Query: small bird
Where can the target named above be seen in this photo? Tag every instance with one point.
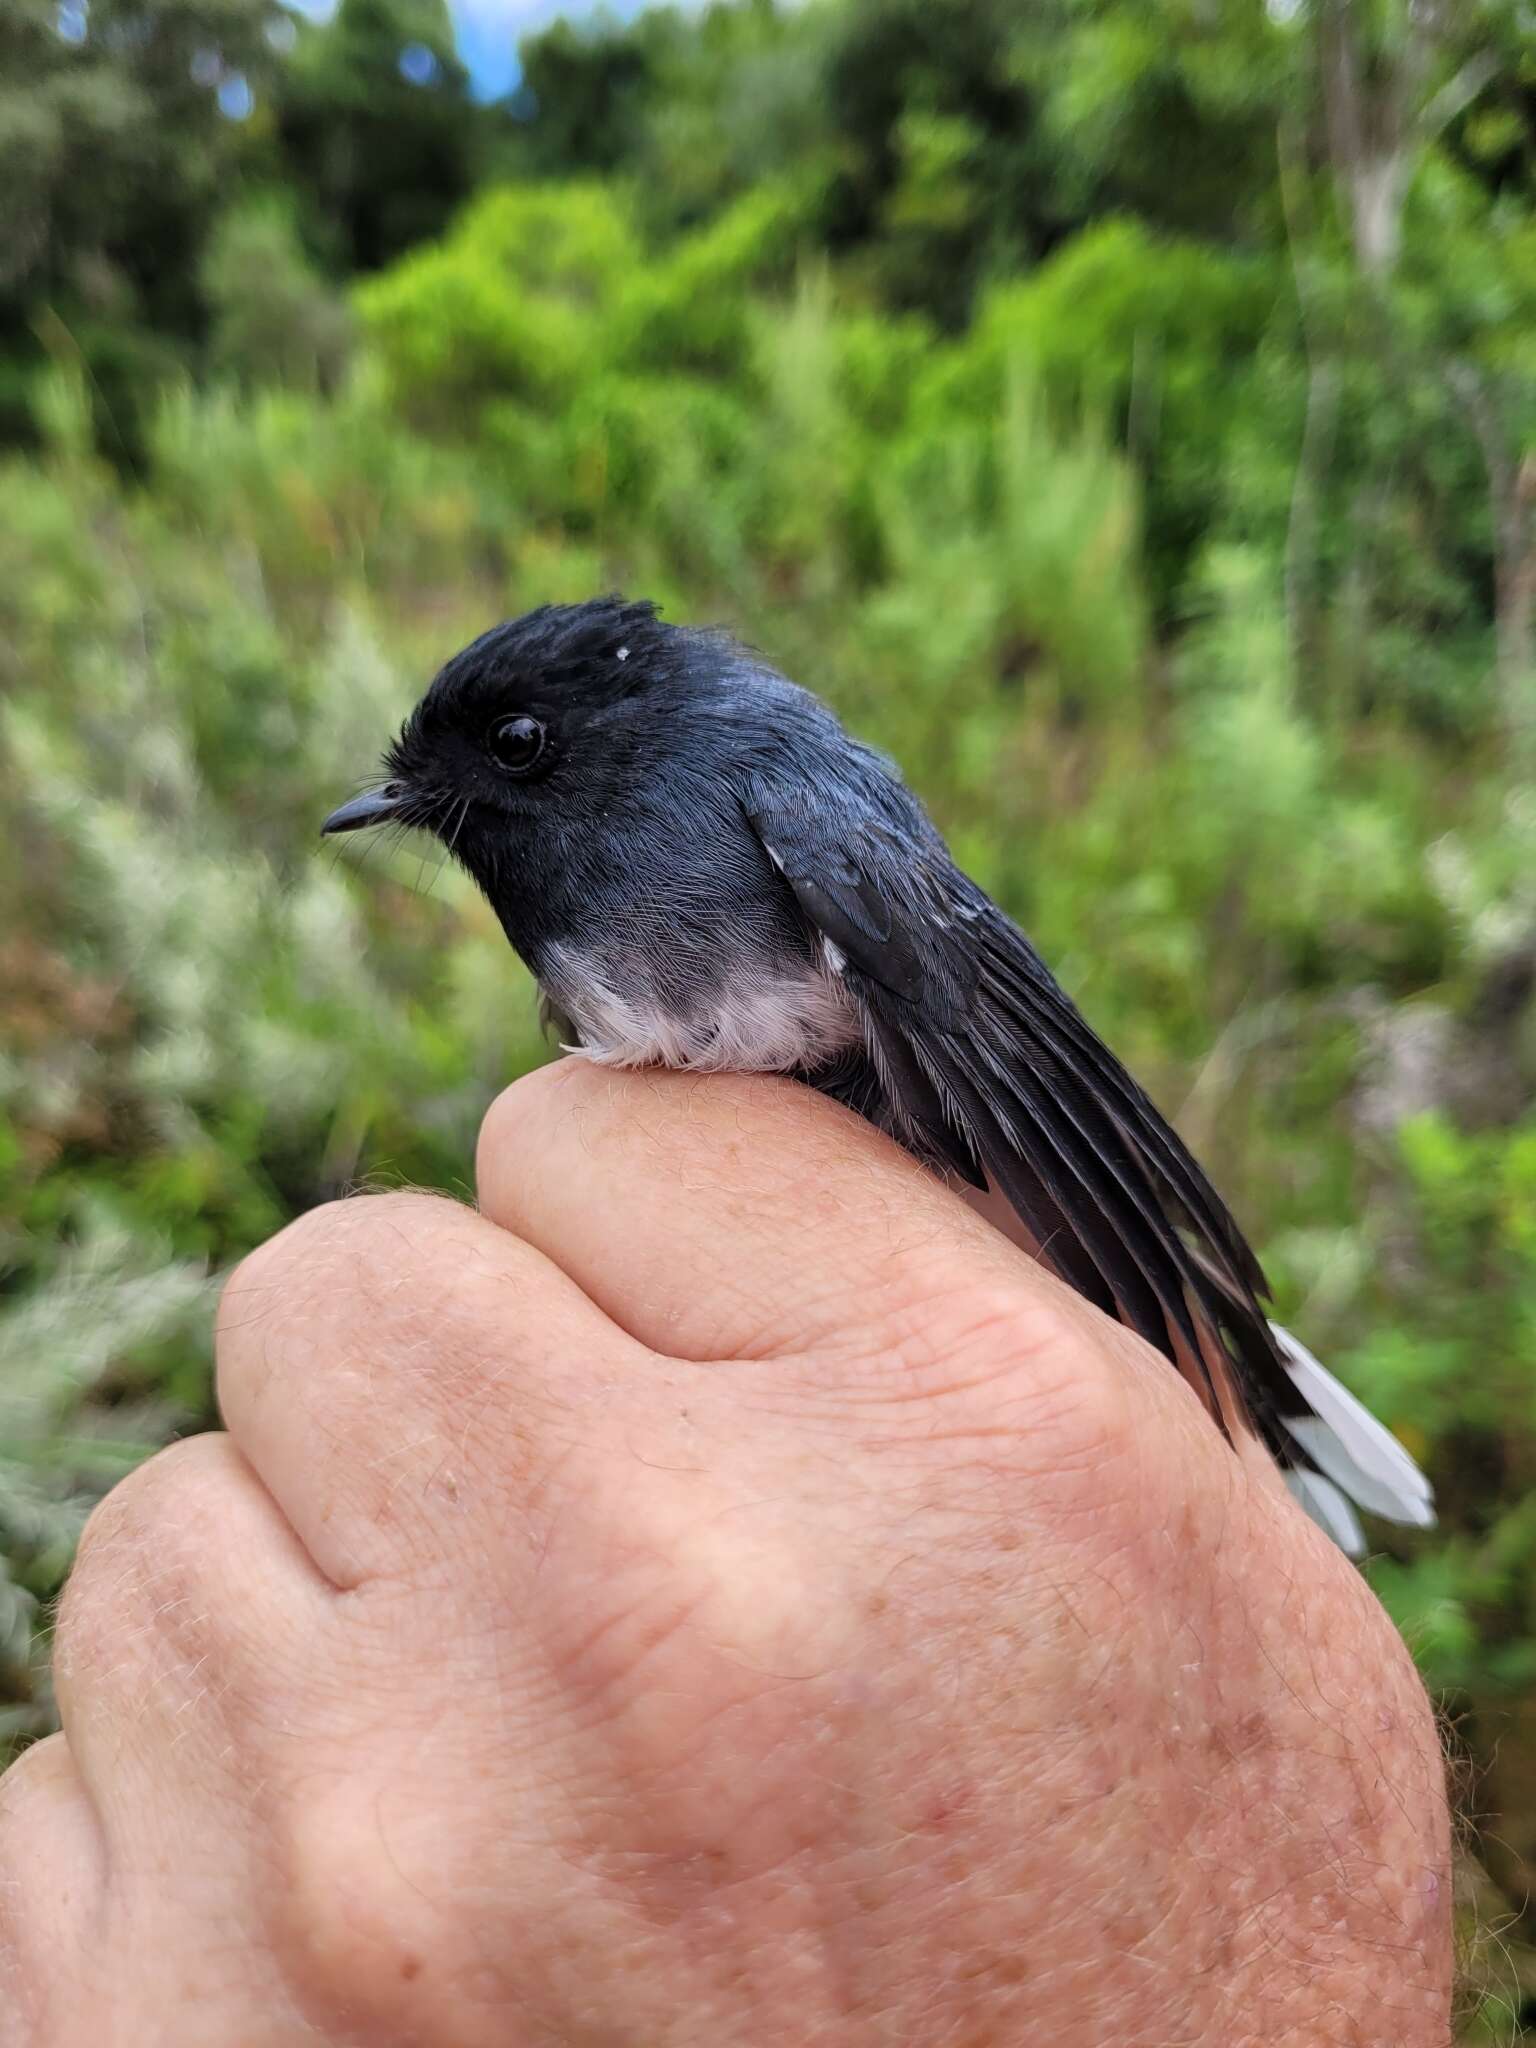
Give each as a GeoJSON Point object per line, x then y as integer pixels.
{"type": "Point", "coordinates": [703, 869]}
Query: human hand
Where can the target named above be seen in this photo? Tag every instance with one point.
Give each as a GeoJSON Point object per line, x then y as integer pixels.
{"type": "Point", "coordinates": [720, 1593]}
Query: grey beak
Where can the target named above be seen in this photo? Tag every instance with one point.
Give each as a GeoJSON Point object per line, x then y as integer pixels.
{"type": "Point", "coordinates": [373, 807]}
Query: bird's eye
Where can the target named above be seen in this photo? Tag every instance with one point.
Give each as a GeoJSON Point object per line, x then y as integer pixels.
{"type": "Point", "coordinates": [516, 745]}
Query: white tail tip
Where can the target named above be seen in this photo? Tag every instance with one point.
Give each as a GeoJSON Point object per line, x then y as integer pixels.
{"type": "Point", "coordinates": [1328, 1508]}
{"type": "Point", "coordinates": [1357, 1458]}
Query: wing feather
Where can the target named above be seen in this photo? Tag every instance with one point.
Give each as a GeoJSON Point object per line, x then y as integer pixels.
{"type": "Point", "coordinates": [1165, 1156]}
{"type": "Point", "coordinates": [987, 1076]}
{"type": "Point", "coordinates": [987, 1068]}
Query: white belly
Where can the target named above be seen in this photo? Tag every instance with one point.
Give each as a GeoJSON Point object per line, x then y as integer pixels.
{"type": "Point", "coordinates": [758, 1023]}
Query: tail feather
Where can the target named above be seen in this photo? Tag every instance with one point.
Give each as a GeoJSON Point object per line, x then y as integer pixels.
{"type": "Point", "coordinates": [1353, 1454]}
{"type": "Point", "coordinates": [1328, 1508]}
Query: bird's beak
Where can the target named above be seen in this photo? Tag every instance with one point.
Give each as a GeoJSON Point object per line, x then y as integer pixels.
{"type": "Point", "coordinates": [373, 807]}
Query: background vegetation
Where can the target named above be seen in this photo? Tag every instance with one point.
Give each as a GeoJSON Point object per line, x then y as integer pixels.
{"type": "Point", "coordinates": [1122, 409]}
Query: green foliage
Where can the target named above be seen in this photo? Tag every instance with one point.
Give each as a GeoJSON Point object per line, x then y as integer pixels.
{"type": "Point", "coordinates": [1154, 332]}
{"type": "Point", "coordinates": [273, 319]}
{"type": "Point", "coordinates": [541, 289]}
{"type": "Point", "coordinates": [378, 159]}
{"type": "Point", "coordinates": [942, 174]}
{"type": "Point", "coordinates": [516, 302]}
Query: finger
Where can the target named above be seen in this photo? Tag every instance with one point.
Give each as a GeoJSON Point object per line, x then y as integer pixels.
{"type": "Point", "coordinates": [192, 1607]}
{"type": "Point", "coordinates": [52, 1872]}
{"type": "Point", "coordinates": [395, 1364]}
{"type": "Point", "coordinates": [734, 1216]}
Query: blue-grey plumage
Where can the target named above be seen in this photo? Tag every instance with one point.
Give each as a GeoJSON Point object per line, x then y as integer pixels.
{"type": "Point", "coordinates": [703, 869]}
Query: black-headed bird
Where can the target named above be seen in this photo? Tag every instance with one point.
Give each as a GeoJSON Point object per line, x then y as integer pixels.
{"type": "Point", "coordinates": [703, 869]}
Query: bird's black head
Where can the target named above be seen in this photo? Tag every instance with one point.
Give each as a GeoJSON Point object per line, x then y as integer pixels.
{"type": "Point", "coordinates": [537, 747]}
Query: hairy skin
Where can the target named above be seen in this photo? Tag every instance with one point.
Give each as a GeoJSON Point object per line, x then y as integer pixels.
{"type": "Point", "coordinates": [719, 1593]}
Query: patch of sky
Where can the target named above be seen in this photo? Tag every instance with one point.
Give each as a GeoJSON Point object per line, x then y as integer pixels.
{"type": "Point", "coordinates": [236, 100]}
{"type": "Point", "coordinates": [418, 66]}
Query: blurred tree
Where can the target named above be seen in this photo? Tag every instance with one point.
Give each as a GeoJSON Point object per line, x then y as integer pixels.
{"type": "Point", "coordinates": [33, 57]}
{"type": "Point", "coordinates": [586, 92]}
{"type": "Point", "coordinates": [274, 319]}
{"type": "Point", "coordinates": [940, 141]}
{"type": "Point", "coordinates": [1165, 109]}
{"type": "Point", "coordinates": [738, 98]}
{"type": "Point", "coordinates": [1392, 80]}
{"type": "Point", "coordinates": [117, 123]}
{"type": "Point", "coordinates": [694, 108]}
{"type": "Point", "coordinates": [1416, 289]}
{"type": "Point", "coordinates": [120, 123]}
{"type": "Point", "coordinates": [378, 131]}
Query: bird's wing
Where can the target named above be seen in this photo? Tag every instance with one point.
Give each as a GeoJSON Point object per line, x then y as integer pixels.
{"type": "Point", "coordinates": [993, 1071]}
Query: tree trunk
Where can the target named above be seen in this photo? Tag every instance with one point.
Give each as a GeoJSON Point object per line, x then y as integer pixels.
{"type": "Point", "coordinates": [1512, 505]}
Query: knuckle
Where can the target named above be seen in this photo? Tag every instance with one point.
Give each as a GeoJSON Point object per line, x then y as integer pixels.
{"type": "Point", "coordinates": [949, 1337]}
{"type": "Point", "coordinates": [40, 1823]}
{"type": "Point", "coordinates": [28, 1779]}
{"type": "Point", "coordinates": [119, 1521]}
{"type": "Point", "coordinates": [325, 1921]}
{"type": "Point", "coordinates": [267, 1275]}
{"type": "Point", "coordinates": [139, 1556]}
{"type": "Point", "coordinates": [1016, 1371]}
{"type": "Point", "coordinates": [180, 1611]}
{"type": "Point", "coordinates": [360, 1933]}
{"type": "Point", "coordinates": [352, 1225]}
{"type": "Point", "coordinates": [536, 1101]}
{"type": "Point", "coordinates": [685, 1580]}
{"type": "Point", "coordinates": [299, 1240]}
{"type": "Point", "coordinates": [359, 1242]}
{"type": "Point", "coordinates": [1088, 1409]}
{"type": "Point", "coordinates": [376, 1243]}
